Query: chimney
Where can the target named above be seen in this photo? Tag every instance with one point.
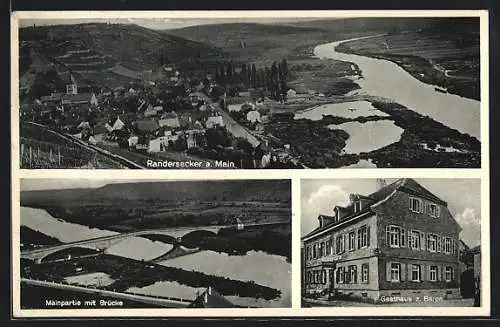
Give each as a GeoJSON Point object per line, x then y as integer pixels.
{"type": "Point", "coordinates": [381, 183]}
{"type": "Point", "coordinates": [205, 297]}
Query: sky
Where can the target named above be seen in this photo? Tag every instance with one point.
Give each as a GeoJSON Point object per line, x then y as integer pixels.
{"type": "Point", "coordinates": [160, 23]}
{"type": "Point", "coordinates": [462, 195]}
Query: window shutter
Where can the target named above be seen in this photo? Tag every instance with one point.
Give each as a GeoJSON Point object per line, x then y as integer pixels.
{"type": "Point", "coordinates": [367, 273]}
{"type": "Point", "coordinates": [344, 240]}
{"type": "Point", "coordinates": [423, 273]}
{"type": "Point", "coordinates": [402, 236]}
{"type": "Point", "coordinates": [422, 241]}
{"type": "Point", "coordinates": [438, 243]}
{"type": "Point", "coordinates": [439, 272]}
{"type": "Point", "coordinates": [453, 245]}
{"type": "Point", "coordinates": [402, 272]}
{"type": "Point", "coordinates": [408, 238]}
{"type": "Point", "coordinates": [421, 206]}
{"type": "Point", "coordinates": [409, 271]}
{"type": "Point", "coordinates": [388, 271]}
{"type": "Point", "coordinates": [368, 235]}
{"type": "Point", "coordinates": [387, 236]}
{"type": "Point", "coordinates": [428, 273]}
{"type": "Point", "coordinates": [355, 274]}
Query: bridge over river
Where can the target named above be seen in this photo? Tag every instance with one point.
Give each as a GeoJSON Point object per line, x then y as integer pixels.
{"type": "Point", "coordinates": [105, 242]}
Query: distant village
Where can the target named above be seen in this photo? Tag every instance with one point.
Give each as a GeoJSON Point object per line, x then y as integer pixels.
{"type": "Point", "coordinates": [163, 114]}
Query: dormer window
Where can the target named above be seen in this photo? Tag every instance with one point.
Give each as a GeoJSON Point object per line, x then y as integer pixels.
{"type": "Point", "coordinates": [416, 205]}
{"type": "Point", "coordinates": [433, 210]}
{"type": "Point", "coordinates": [357, 206]}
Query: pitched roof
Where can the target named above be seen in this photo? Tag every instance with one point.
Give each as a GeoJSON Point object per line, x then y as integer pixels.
{"type": "Point", "coordinates": [77, 97]}
{"type": "Point", "coordinates": [146, 125]}
{"type": "Point", "coordinates": [407, 185]}
{"type": "Point", "coordinates": [213, 300]}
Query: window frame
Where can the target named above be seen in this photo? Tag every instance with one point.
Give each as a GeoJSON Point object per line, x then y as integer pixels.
{"type": "Point", "coordinates": [353, 234]}
{"type": "Point", "coordinates": [418, 271]}
{"type": "Point", "coordinates": [435, 272]}
{"type": "Point", "coordinates": [436, 213]}
{"type": "Point", "coordinates": [419, 201]}
{"type": "Point", "coordinates": [447, 241]}
{"type": "Point", "coordinates": [415, 239]}
{"type": "Point", "coordinates": [446, 273]}
{"type": "Point", "coordinates": [399, 236]}
{"type": "Point", "coordinates": [398, 270]}
{"type": "Point", "coordinates": [340, 243]}
{"type": "Point", "coordinates": [430, 237]}
{"type": "Point", "coordinates": [362, 240]}
{"type": "Point", "coordinates": [353, 272]}
{"type": "Point", "coordinates": [357, 206]}
{"type": "Point", "coordinates": [365, 268]}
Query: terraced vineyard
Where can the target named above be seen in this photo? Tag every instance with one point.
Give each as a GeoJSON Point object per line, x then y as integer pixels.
{"type": "Point", "coordinates": [41, 148]}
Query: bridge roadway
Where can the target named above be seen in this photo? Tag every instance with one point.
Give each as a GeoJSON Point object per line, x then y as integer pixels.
{"type": "Point", "coordinates": [165, 301]}
{"type": "Point", "coordinates": [105, 242]}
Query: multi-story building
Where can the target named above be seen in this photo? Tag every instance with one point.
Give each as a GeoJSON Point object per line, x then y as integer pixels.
{"type": "Point", "coordinates": [398, 241]}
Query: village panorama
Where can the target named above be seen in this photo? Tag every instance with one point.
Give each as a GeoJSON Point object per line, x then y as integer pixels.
{"type": "Point", "coordinates": [331, 93]}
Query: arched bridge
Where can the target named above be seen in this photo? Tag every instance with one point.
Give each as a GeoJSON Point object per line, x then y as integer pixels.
{"type": "Point", "coordinates": [105, 242]}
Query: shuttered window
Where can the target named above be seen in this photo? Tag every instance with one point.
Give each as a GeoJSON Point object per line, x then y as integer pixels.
{"type": "Point", "coordinates": [395, 236]}
{"type": "Point", "coordinates": [433, 273]}
{"type": "Point", "coordinates": [393, 271]}
{"type": "Point", "coordinates": [365, 272]}
{"type": "Point", "coordinates": [448, 274]}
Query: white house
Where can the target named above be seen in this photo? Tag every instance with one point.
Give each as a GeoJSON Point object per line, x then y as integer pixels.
{"type": "Point", "coordinates": [108, 127]}
{"type": "Point", "coordinates": [133, 140]}
{"type": "Point", "coordinates": [158, 145]}
{"type": "Point", "coordinates": [234, 107]}
{"type": "Point", "coordinates": [118, 125]}
{"type": "Point", "coordinates": [84, 125]}
{"type": "Point", "coordinates": [239, 224]}
{"type": "Point", "coordinates": [291, 93]}
{"type": "Point", "coordinates": [213, 121]}
{"type": "Point", "coordinates": [253, 116]}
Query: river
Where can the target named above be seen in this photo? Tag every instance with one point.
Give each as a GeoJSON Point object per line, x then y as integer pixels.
{"type": "Point", "coordinates": [386, 79]}
{"type": "Point", "coordinates": [265, 269]}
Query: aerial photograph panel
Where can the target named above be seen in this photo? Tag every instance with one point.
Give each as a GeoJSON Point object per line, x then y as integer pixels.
{"type": "Point", "coordinates": [95, 244]}
{"type": "Point", "coordinates": [221, 93]}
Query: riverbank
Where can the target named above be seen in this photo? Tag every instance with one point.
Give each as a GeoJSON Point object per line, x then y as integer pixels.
{"type": "Point", "coordinates": [431, 58]}
{"type": "Point", "coordinates": [31, 239]}
{"type": "Point", "coordinates": [425, 142]}
{"type": "Point", "coordinates": [128, 273]}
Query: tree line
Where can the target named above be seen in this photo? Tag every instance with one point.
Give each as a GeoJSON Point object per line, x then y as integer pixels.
{"type": "Point", "coordinates": [272, 79]}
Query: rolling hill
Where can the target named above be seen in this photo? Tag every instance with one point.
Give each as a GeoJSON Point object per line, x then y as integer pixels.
{"type": "Point", "coordinates": [98, 52]}
{"type": "Point", "coordinates": [131, 206]}
{"type": "Point", "coordinates": [247, 190]}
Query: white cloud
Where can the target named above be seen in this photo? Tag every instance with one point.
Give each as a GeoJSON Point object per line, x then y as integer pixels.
{"type": "Point", "coordinates": [322, 201]}
{"type": "Point", "coordinates": [470, 222]}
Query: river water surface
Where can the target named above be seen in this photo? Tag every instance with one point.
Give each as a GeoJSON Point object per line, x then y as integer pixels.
{"type": "Point", "coordinates": [262, 268]}
{"type": "Point", "coordinates": [386, 79]}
